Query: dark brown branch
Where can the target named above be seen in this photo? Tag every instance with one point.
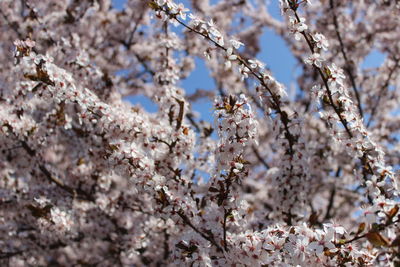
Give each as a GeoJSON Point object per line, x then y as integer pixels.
{"type": "Point", "coordinates": [328, 214]}
{"type": "Point", "coordinates": [347, 61]}
{"type": "Point", "coordinates": [226, 214]}
{"type": "Point", "coordinates": [207, 237]}
{"type": "Point", "coordinates": [144, 64]}
{"type": "Point", "coordinates": [357, 237]}
{"type": "Point", "coordinates": [259, 157]}
{"type": "Point", "coordinates": [180, 114]}
{"type": "Point", "coordinates": [384, 86]}
{"type": "Point", "coordinates": [189, 116]}
{"type": "Point", "coordinates": [132, 34]}
{"type": "Point", "coordinates": [7, 255]}
{"type": "Point", "coordinates": [74, 192]}
{"type": "Point", "coordinates": [332, 197]}
{"type": "Point", "coordinates": [12, 25]}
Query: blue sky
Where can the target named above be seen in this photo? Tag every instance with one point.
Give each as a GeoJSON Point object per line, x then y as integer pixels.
{"type": "Point", "coordinates": [274, 53]}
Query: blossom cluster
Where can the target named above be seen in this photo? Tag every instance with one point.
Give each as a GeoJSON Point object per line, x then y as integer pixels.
{"type": "Point", "coordinates": [283, 176]}
{"type": "Point", "coordinates": [344, 118]}
{"type": "Point", "coordinates": [236, 128]}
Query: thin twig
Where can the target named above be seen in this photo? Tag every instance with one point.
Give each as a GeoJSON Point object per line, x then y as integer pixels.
{"type": "Point", "coordinates": [384, 86]}
{"type": "Point", "coordinates": [259, 157]}
{"type": "Point", "coordinates": [207, 237]}
{"type": "Point", "coordinates": [52, 178]}
{"type": "Point", "coordinates": [226, 214]}
{"type": "Point", "coordinates": [332, 197]}
{"type": "Point", "coordinates": [347, 67]}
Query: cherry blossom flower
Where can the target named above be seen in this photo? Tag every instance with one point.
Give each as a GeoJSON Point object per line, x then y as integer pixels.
{"type": "Point", "coordinates": [321, 41]}
{"type": "Point", "coordinates": [324, 242]}
{"type": "Point", "coordinates": [254, 63]}
{"type": "Point", "coordinates": [181, 10]}
{"type": "Point", "coordinates": [336, 76]}
{"type": "Point", "coordinates": [235, 43]}
{"type": "Point", "coordinates": [314, 59]}
{"type": "Point", "coordinates": [230, 57]}
{"type": "Point", "coordinates": [297, 27]}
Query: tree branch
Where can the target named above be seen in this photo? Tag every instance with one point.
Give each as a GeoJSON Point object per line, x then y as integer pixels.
{"type": "Point", "coordinates": [348, 66]}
